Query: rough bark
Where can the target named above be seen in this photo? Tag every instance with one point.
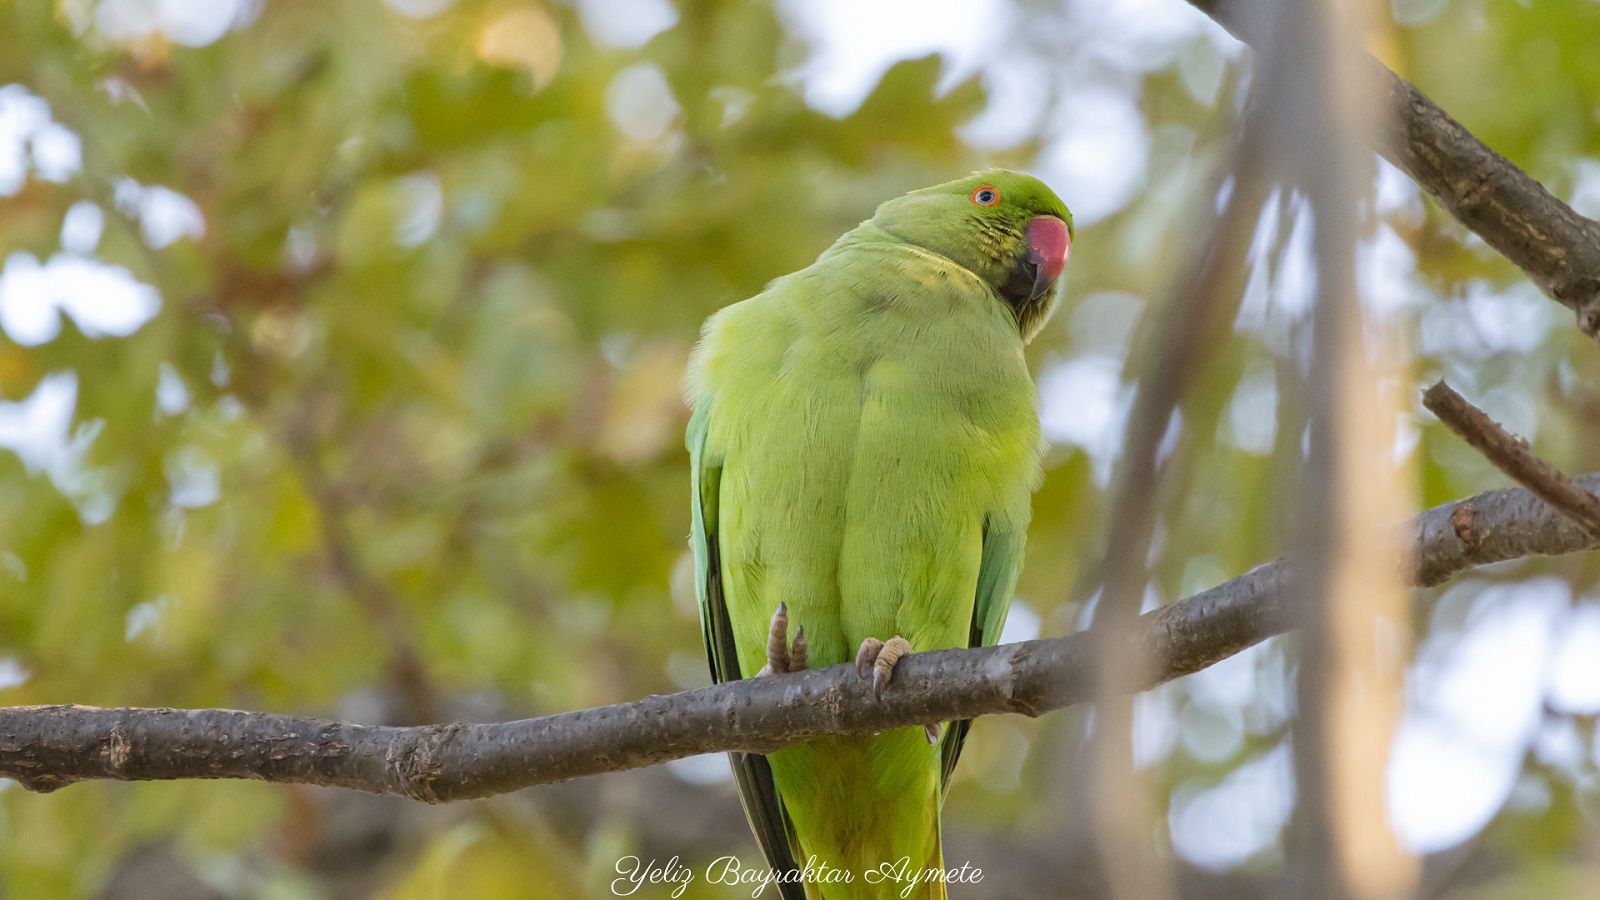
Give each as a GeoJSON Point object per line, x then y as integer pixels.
{"type": "Point", "coordinates": [48, 747]}
{"type": "Point", "coordinates": [1513, 456]}
{"type": "Point", "coordinates": [1558, 249]}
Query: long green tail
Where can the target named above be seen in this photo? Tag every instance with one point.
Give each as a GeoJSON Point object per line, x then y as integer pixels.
{"type": "Point", "coordinates": [867, 807]}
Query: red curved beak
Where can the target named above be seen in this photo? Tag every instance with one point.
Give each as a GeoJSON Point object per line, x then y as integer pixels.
{"type": "Point", "coordinates": [1049, 244]}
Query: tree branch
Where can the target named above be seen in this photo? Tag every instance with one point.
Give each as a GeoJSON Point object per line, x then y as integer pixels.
{"type": "Point", "coordinates": [1513, 456]}
{"type": "Point", "coordinates": [48, 747]}
{"type": "Point", "coordinates": [1558, 249]}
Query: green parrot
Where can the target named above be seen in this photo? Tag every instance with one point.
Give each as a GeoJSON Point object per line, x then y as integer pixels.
{"type": "Point", "coordinates": [864, 447]}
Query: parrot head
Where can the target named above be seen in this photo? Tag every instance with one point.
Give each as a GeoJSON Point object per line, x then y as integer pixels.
{"type": "Point", "coordinates": [1007, 228]}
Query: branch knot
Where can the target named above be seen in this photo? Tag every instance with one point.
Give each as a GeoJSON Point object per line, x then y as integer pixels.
{"type": "Point", "coordinates": [418, 761]}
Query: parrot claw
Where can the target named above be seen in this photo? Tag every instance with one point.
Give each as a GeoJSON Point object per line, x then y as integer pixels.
{"type": "Point", "coordinates": [780, 658]}
{"type": "Point", "coordinates": [932, 732]}
{"type": "Point", "coordinates": [880, 657]}
{"type": "Point", "coordinates": [866, 655]}
{"type": "Point", "coordinates": [797, 651]}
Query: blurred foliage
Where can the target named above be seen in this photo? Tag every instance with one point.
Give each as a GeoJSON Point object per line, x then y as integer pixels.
{"type": "Point", "coordinates": [411, 397]}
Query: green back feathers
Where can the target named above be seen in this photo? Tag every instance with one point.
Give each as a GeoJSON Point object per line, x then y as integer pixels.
{"type": "Point", "coordinates": [864, 446]}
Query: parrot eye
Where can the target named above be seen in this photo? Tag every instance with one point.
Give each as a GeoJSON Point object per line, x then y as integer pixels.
{"type": "Point", "coordinates": [988, 195]}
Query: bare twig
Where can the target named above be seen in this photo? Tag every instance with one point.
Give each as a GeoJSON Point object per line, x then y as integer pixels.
{"type": "Point", "coordinates": [1512, 456]}
{"type": "Point", "coordinates": [1558, 249]}
{"type": "Point", "coordinates": [49, 747]}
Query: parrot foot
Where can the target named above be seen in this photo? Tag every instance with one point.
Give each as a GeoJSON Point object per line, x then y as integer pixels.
{"type": "Point", "coordinates": [781, 656]}
{"type": "Point", "coordinates": [880, 657]}
{"type": "Point", "coordinates": [932, 732]}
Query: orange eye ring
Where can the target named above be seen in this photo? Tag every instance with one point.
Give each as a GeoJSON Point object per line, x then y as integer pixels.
{"type": "Point", "coordinates": [986, 195]}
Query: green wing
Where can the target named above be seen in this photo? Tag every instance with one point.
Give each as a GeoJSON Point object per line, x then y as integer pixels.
{"type": "Point", "coordinates": [751, 772]}
{"type": "Point", "coordinates": [997, 578]}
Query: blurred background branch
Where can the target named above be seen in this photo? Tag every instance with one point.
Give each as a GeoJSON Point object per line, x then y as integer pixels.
{"type": "Point", "coordinates": [1187, 332]}
{"type": "Point", "coordinates": [1354, 635]}
{"type": "Point", "coordinates": [419, 702]}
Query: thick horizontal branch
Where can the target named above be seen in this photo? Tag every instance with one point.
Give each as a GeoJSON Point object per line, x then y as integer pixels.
{"type": "Point", "coordinates": [48, 747]}
{"type": "Point", "coordinates": [1557, 248]}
